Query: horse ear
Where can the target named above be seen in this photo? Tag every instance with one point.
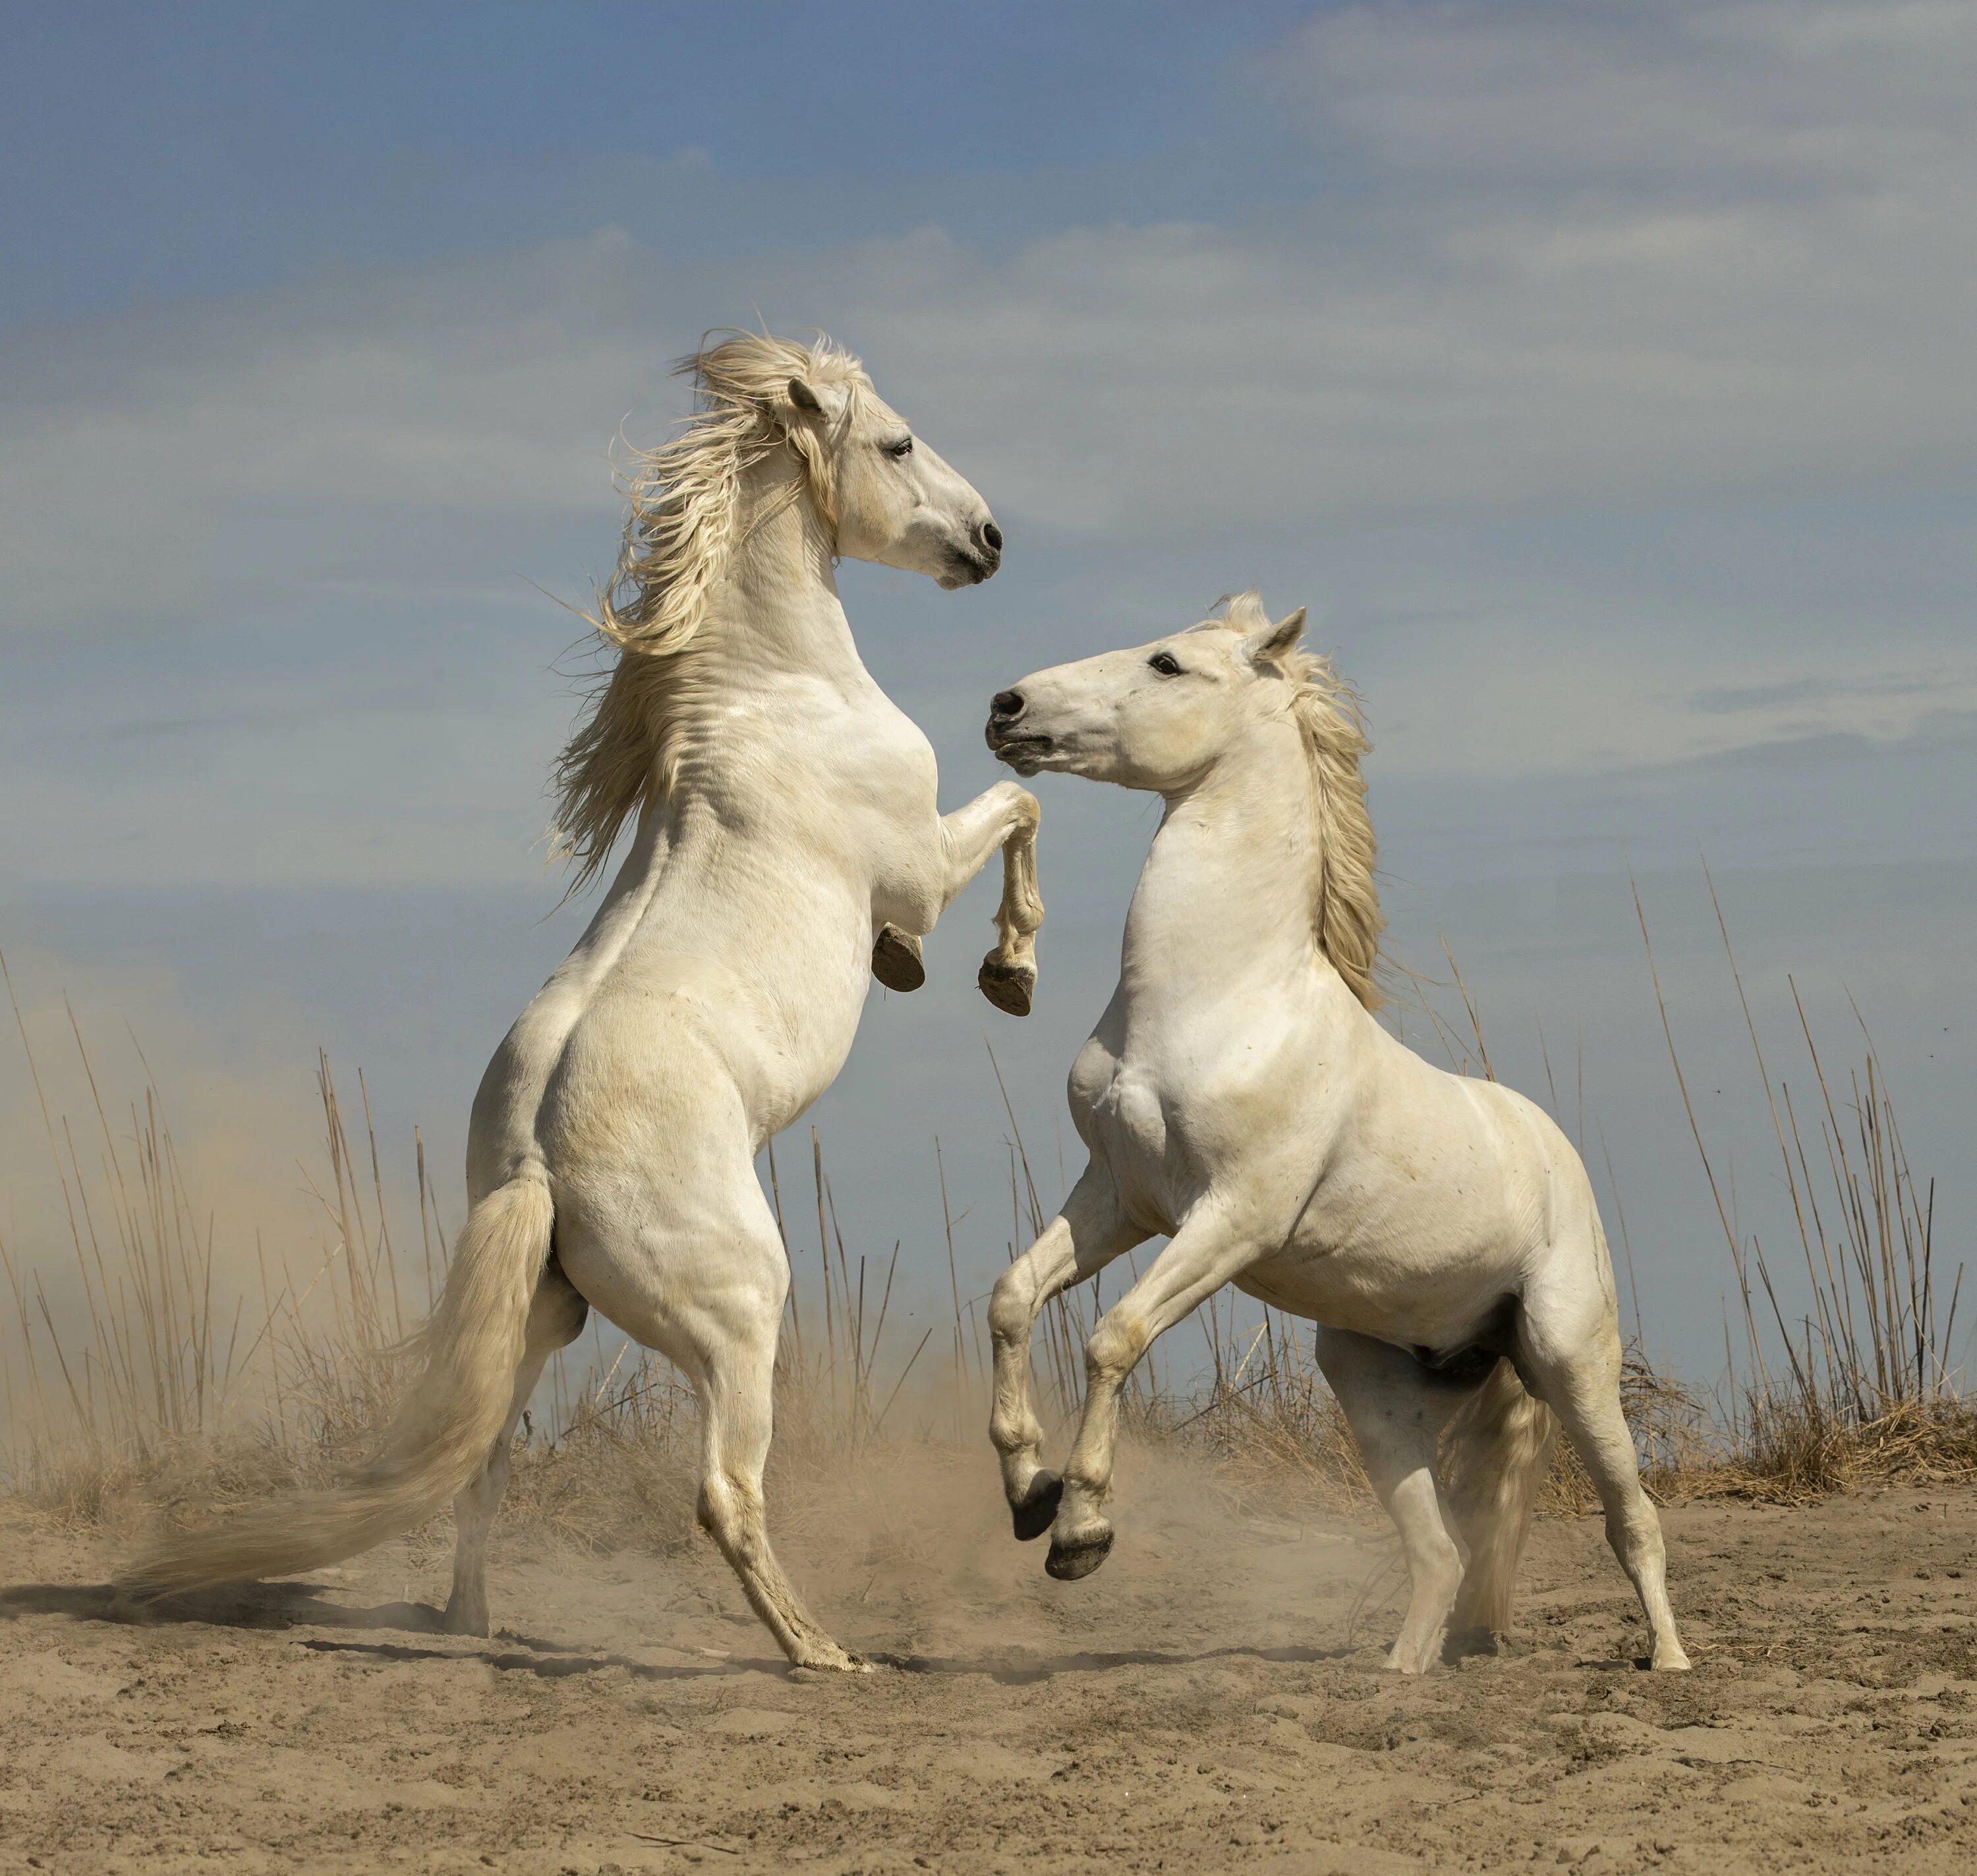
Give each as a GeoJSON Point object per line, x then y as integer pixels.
{"type": "Point", "coordinates": [821, 401]}
{"type": "Point", "coordinates": [1276, 642]}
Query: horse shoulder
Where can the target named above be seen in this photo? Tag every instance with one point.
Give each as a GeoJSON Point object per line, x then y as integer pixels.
{"type": "Point", "coordinates": [881, 738]}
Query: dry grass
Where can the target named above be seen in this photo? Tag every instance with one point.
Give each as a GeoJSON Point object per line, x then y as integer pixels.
{"type": "Point", "coordinates": [158, 1390]}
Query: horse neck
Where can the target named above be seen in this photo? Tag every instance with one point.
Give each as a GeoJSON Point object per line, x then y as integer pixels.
{"type": "Point", "coordinates": [1226, 893]}
{"type": "Point", "coordinates": [772, 622]}
{"type": "Point", "coordinates": [775, 611]}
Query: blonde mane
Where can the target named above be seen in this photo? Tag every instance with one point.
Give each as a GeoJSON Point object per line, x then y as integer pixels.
{"type": "Point", "coordinates": [680, 536]}
{"type": "Point", "coordinates": [1346, 910]}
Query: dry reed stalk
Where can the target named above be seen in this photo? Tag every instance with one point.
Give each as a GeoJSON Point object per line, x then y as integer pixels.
{"type": "Point", "coordinates": [1872, 1392]}
{"type": "Point", "coordinates": [163, 1385]}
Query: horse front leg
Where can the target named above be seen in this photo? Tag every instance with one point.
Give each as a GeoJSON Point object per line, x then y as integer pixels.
{"type": "Point", "coordinates": [1080, 1242]}
{"type": "Point", "coordinates": [1206, 1253]}
{"type": "Point", "coordinates": [1005, 816]}
{"type": "Point", "coordinates": [1008, 974]}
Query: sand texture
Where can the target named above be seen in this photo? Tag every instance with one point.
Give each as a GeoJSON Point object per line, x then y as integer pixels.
{"type": "Point", "coordinates": [1213, 1699]}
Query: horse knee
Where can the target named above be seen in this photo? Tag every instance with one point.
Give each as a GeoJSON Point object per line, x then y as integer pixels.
{"type": "Point", "coordinates": [1118, 1342]}
{"type": "Point", "coordinates": [1632, 1526]}
{"type": "Point", "coordinates": [1437, 1562]}
{"type": "Point", "coordinates": [1012, 1430]}
{"type": "Point", "coordinates": [1011, 1305]}
{"type": "Point", "coordinates": [729, 1512]}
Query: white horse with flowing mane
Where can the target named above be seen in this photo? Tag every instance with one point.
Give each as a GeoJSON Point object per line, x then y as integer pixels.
{"type": "Point", "coordinates": [1238, 1095]}
{"type": "Point", "coordinates": [788, 845]}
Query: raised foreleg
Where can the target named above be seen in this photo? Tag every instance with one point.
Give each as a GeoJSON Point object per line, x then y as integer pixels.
{"type": "Point", "coordinates": [1208, 1250]}
{"type": "Point", "coordinates": [1080, 1242]}
{"type": "Point", "coordinates": [1005, 816]}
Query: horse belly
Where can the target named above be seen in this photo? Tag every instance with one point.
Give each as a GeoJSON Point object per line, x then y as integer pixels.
{"type": "Point", "coordinates": [1423, 1270]}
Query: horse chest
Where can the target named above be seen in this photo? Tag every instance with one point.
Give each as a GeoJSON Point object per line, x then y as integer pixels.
{"type": "Point", "coordinates": [1119, 1114]}
{"type": "Point", "coordinates": [884, 782]}
{"type": "Point", "coordinates": [880, 746]}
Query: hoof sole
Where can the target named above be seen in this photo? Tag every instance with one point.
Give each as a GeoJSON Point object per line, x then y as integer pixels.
{"type": "Point", "coordinates": [1037, 1513]}
{"type": "Point", "coordinates": [1009, 986]}
{"type": "Point", "coordinates": [896, 961]}
{"type": "Point", "coordinates": [1067, 1562]}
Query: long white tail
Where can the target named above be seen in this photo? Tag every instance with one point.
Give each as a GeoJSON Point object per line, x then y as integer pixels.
{"type": "Point", "coordinates": [1497, 1446]}
{"type": "Point", "coordinates": [443, 1435]}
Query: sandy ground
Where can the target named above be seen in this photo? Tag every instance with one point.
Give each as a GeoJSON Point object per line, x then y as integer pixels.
{"type": "Point", "coordinates": [1212, 1700]}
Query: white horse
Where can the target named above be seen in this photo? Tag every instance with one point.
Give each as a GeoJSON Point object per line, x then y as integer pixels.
{"type": "Point", "coordinates": [1238, 1094]}
{"type": "Point", "coordinates": [787, 845]}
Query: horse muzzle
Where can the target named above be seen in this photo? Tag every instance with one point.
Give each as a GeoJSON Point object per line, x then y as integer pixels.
{"type": "Point", "coordinates": [976, 559]}
{"type": "Point", "coordinates": [1010, 739]}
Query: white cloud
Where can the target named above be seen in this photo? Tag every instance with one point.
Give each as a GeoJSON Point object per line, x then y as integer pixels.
{"type": "Point", "coordinates": [1711, 96]}
{"type": "Point", "coordinates": [1574, 256]}
{"type": "Point", "coordinates": [155, 465]}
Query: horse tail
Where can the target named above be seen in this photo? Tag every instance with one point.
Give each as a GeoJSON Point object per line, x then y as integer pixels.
{"type": "Point", "coordinates": [440, 1440]}
{"type": "Point", "coordinates": [1497, 1446]}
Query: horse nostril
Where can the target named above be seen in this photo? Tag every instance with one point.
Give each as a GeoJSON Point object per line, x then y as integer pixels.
{"type": "Point", "coordinates": [1006, 706]}
{"type": "Point", "coordinates": [992, 537]}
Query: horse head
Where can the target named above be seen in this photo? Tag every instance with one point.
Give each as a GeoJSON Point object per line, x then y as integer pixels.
{"type": "Point", "coordinates": [1158, 716]}
{"type": "Point", "coordinates": [891, 498]}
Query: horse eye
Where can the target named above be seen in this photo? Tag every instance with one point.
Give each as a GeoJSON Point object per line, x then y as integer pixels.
{"type": "Point", "coordinates": [895, 451]}
{"type": "Point", "coordinates": [1166, 664]}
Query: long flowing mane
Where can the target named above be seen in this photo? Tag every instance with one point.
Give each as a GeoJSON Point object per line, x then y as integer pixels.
{"type": "Point", "coordinates": [1345, 910]}
{"type": "Point", "coordinates": [683, 528]}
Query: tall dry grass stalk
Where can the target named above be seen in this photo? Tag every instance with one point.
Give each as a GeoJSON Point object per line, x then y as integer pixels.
{"type": "Point", "coordinates": [148, 1374]}
{"type": "Point", "coordinates": [1859, 1380]}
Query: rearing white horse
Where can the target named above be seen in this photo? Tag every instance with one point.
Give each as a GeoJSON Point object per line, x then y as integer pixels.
{"type": "Point", "coordinates": [788, 845]}
{"type": "Point", "coordinates": [1238, 1094]}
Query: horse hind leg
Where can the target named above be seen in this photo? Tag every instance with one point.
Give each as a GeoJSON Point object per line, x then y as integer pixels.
{"type": "Point", "coordinates": [728, 1350]}
{"type": "Point", "coordinates": [556, 1319]}
{"type": "Point", "coordinates": [1498, 1448]}
{"type": "Point", "coordinates": [1576, 1369]}
{"type": "Point", "coordinates": [1397, 1414]}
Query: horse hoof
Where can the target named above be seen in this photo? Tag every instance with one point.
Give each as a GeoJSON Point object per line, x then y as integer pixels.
{"type": "Point", "coordinates": [1007, 986]}
{"type": "Point", "coordinates": [1067, 1562]}
{"type": "Point", "coordinates": [1038, 1511]}
{"type": "Point", "coordinates": [828, 1658]}
{"type": "Point", "coordinates": [896, 962]}
{"type": "Point", "coordinates": [1462, 1644]}
{"type": "Point", "coordinates": [456, 1621]}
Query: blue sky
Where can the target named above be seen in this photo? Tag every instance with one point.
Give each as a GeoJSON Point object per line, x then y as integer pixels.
{"type": "Point", "coordinates": [1598, 374]}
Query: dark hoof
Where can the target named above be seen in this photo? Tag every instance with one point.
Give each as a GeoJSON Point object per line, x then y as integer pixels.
{"type": "Point", "coordinates": [1067, 1562]}
{"type": "Point", "coordinates": [1038, 1511]}
{"type": "Point", "coordinates": [1007, 986]}
{"type": "Point", "coordinates": [896, 962]}
{"type": "Point", "coordinates": [454, 1621]}
{"type": "Point", "coordinates": [1462, 1644]}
